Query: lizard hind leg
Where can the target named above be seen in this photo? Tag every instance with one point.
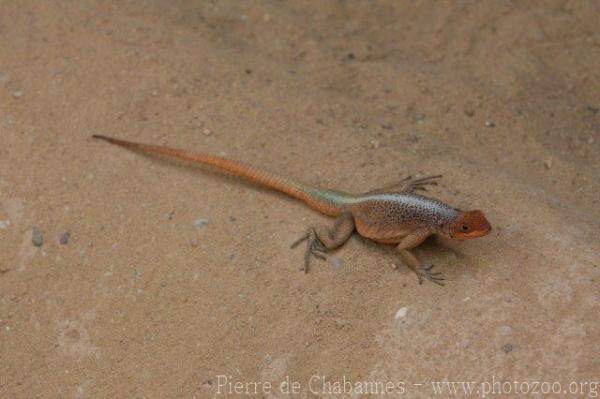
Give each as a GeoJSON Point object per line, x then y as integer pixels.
{"type": "Point", "coordinates": [419, 184]}
{"type": "Point", "coordinates": [408, 185]}
{"type": "Point", "coordinates": [321, 239]}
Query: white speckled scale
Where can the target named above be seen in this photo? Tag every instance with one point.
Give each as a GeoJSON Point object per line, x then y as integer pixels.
{"type": "Point", "coordinates": [390, 217]}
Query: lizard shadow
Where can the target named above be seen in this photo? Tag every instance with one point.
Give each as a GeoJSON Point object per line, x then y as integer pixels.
{"type": "Point", "coordinates": [432, 247]}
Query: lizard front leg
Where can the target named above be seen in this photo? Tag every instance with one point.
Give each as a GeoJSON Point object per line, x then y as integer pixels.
{"type": "Point", "coordinates": [409, 242]}
{"type": "Point", "coordinates": [321, 239]}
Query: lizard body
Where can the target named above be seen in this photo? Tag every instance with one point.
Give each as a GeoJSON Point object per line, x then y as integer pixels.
{"type": "Point", "coordinates": [390, 215]}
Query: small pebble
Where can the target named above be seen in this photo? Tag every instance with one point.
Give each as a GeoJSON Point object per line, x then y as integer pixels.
{"type": "Point", "coordinates": [548, 163]}
{"type": "Point", "coordinates": [64, 239]}
{"type": "Point", "coordinates": [505, 330]}
{"type": "Point", "coordinates": [17, 94]}
{"type": "Point", "coordinates": [401, 313]}
{"type": "Point", "coordinates": [489, 124]}
{"type": "Point", "coordinates": [200, 223]}
{"type": "Point", "coordinates": [394, 266]}
{"type": "Point", "coordinates": [207, 132]}
{"type": "Point", "coordinates": [420, 117]}
{"type": "Point", "coordinates": [194, 242]}
{"type": "Point", "coordinates": [37, 238]}
{"type": "Point", "coordinates": [374, 144]}
{"type": "Point", "coordinates": [507, 348]}
{"type": "Point", "coordinates": [412, 138]}
{"type": "Point", "coordinates": [336, 262]}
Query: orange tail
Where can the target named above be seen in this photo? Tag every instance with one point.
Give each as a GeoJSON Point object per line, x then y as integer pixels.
{"type": "Point", "coordinates": [324, 201]}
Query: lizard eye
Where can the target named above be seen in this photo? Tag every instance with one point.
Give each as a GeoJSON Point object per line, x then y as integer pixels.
{"type": "Point", "coordinates": [465, 227]}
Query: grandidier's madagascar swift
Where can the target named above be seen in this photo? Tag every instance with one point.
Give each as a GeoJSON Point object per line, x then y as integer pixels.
{"type": "Point", "coordinates": [394, 214]}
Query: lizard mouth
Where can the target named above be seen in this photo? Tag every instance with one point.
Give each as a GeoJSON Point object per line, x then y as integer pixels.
{"type": "Point", "coordinates": [473, 234]}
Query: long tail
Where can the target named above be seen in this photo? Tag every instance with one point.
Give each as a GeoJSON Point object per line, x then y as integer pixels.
{"type": "Point", "coordinates": [325, 201]}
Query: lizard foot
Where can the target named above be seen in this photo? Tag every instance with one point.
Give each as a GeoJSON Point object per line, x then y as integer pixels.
{"type": "Point", "coordinates": [426, 273]}
{"type": "Point", "coordinates": [419, 184]}
{"type": "Point", "coordinates": [314, 247]}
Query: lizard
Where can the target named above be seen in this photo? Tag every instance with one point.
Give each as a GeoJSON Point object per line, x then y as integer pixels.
{"type": "Point", "coordinates": [395, 214]}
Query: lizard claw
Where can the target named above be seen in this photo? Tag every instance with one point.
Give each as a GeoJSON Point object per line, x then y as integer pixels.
{"type": "Point", "coordinates": [314, 247]}
{"type": "Point", "coordinates": [425, 273]}
{"type": "Point", "coordinates": [409, 184]}
{"type": "Point", "coordinates": [299, 240]}
{"type": "Point", "coordinates": [419, 184]}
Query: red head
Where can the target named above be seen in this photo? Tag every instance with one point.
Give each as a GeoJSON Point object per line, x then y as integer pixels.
{"type": "Point", "coordinates": [470, 224]}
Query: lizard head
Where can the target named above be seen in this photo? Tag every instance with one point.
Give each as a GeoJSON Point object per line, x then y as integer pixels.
{"type": "Point", "coordinates": [470, 224]}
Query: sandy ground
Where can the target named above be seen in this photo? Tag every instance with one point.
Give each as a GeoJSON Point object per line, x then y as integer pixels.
{"type": "Point", "coordinates": [145, 301]}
